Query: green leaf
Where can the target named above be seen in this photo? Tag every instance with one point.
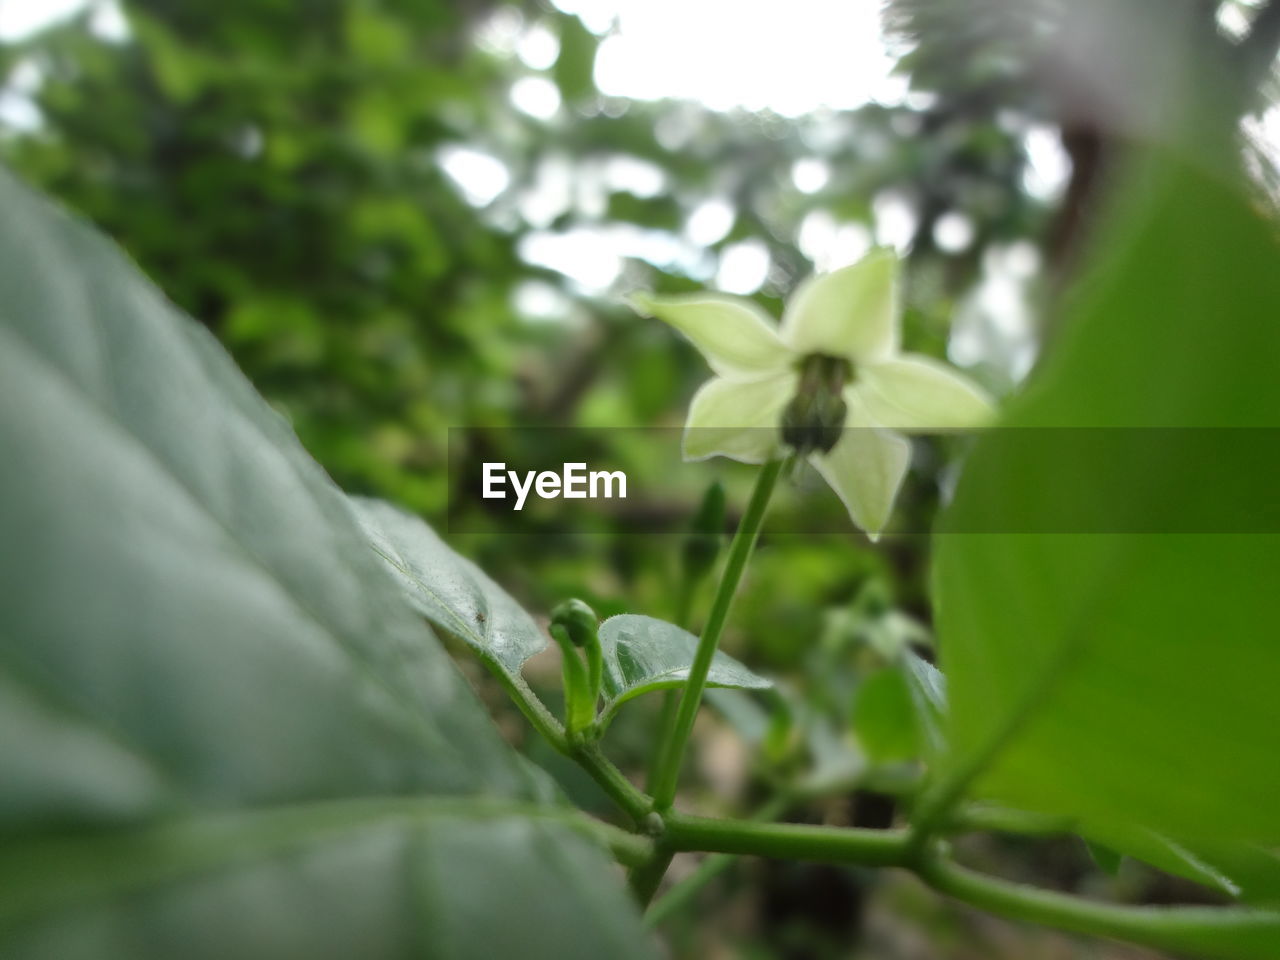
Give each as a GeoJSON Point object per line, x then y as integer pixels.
{"type": "Point", "coordinates": [643, 654]}
{"type": "Point", "coordinates": [1108, 860]}
{"type": "Point", "coordinates": [574, 69]}
{"type": "Point", "coordinates": [455, 595]}
{"type": "Point", "coordinates": [884, 717]}
{"type": "Point", "coordinates": [927, 688]}
{"type": "Point", "coordinates": [1128, 679]}
{"type": "Point", "coordinates": [223, 731]}
{"type": "Point", "coordinates": [1163, 854]}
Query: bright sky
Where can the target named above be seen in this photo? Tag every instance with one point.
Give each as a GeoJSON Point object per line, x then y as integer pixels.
{"type": "Point", "coordinates": [743, 53]}
{"type": "Point", "coordinates": [752, 54]}
{"type": "Point", "coordinates": [726, 53]}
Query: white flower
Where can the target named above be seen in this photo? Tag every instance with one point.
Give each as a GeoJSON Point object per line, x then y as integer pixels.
{"type": "Point", "coordinates": [851, 314]}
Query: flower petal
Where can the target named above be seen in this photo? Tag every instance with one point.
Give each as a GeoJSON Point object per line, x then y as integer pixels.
{"type": "Point", "coordinates": [738, 339]}
{"type": "Point", "coordinates": [738, 419]}
{"type": "Point", "coordinates": [851, 312]}
{"type": "Point", "coordinates": [865, 469]}
{"type": "Point", "coordinates": [918, 394]}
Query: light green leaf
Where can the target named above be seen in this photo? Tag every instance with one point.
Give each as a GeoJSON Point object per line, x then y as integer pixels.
{"type": "Point", "coordinates": [1128, 679]}
{"type": "Point", "coordinates": [643, 654]}
{"type": "Point", "coordinates": [884, 717]}
{"type": "Point", "coordinates": [223, 731]}
{"type": "Point", "coordinates": [455, 595]}
{"type": "Point", "coordinates": [1161, 853]}
{"type": "Point", "coordinates": [927, 688]}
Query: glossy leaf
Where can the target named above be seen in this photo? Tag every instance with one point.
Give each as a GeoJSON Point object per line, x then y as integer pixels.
{"type": "Point", "coordinates": [643, 654]}
{"type": "Point", "coordinates": [1128, 680]}
{"type": "Point", "coordinates": [455, 595]}
{"type": "Point", "coordinates": [223, 731]}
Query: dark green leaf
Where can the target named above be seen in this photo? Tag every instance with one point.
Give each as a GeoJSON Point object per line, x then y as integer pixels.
{"type": "Point", "coordinates": [1108, 860]}
{"type": "Point", "coordinates": [223, 731]}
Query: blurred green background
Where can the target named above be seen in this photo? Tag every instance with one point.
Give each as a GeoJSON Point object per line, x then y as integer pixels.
{"type": "Point", "coordinates": [405, 215]}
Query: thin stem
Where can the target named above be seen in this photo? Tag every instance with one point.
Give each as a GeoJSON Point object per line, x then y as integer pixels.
{"type": "Point", "coordinates": [788, 841]}
{"type": "Point", "coordinates": [645, 878]}
{"type": "Point", "coordinates": [679, 895]}
{"type": "Point", "coordinates": [614, 783]}
{"type": "Point", "coordinates": [711, 867]}
{"type": "Point", "coordinates": [671, 698]}
{"type": "Point", "coordinates": [666, 729]}
{"type": "Point", "coordinates": [984, 819]}
{"type": "Point", "coordinates": [1217, 931]}
{"type": "Point", "coordinates": [534, 710]}
{"type": "Point", "coordinates": [744, 542]}
{"type": "Point", "coordinates": [612, 780]}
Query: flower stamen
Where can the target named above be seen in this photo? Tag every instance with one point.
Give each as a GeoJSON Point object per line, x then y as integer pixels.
{"type": "Point", "coordinates": [812, 421]}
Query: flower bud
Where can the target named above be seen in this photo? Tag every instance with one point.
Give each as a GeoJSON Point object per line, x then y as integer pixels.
{"type": "Point", "coordinates": [578, 620]}
{"type": "Point", "coordinates": [575, 626]}
{"type": "Point", "coordinates": [815, 417]}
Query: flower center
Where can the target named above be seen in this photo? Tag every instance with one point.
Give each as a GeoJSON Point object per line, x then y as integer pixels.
{"type": "Point", "coordinates": [812, 421]}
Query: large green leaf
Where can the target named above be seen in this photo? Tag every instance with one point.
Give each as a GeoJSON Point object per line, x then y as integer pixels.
{"type": "Point", "coordinates": [1129, 680]}
{"type": "Point", "coordinates": [223, 731]}
{"type": "Point", "coordinates": [449, 590]}
{"type": "Point", "coordinates": [643, 654]}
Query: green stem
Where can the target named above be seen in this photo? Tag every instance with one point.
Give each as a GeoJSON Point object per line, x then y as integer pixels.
{"type": "Point", "coordinates": [671, 698]}
{"type": "Point", "coordinates": [1217, 931]}
{"type": "Point", "coordinates": [534, 710]}
{"type": "Point", "coordinates": [679, 895]}
{"type": "Point", "coordinates": [983, 819]}
{"type": "Point", "coordinates": [710, 868]}
{"type": "Point", "coordinates": [620, 790]}
{"type": "Point", "coordinates": [788, 841]}
{"type": "Point", "coordinates": [614, 783]}
{"type": "Point", "coordinates": [744, 542]}
{"type": "Point", "coordinates": [666, 729]}
{"type": "Point", "coordinates": [645, 878]}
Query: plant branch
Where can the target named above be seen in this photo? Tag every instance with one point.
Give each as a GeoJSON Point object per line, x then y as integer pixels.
{"type": "Point", "coordinates": [788, 841]}
{"type": "Point", "coordinates": [534, 710]}
{"type": "Point", "coordinates": [744, 542]}
{"type": "Point", "coordinates": [710, 868]}
{"type": "Point", "coordinates": [1240, 932]}
{"type": "Point", "coordinates": [985, 819]}
{"type": "Point", "coordinates": [1218, 931]}
{"type": "Point", "coordinates": [589, 756]}
{"type": "Point", "coordinates": [612, 780]}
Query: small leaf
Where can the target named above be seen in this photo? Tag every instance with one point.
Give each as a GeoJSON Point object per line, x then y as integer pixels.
{"type": "Point", "coordinates": [884, 717]}
{"type": "Point", "coordinates": [1108, 860]}
{"type": "Point", "coordinates": [1164, 854]}
{"type": "Point", "coordinates": [928, 689]}
{"type": "Point", "coordinates": [643, 654]}
{"type": "Point", "coordinates": [455, 595]}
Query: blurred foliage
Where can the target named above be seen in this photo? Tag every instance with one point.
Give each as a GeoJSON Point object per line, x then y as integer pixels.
{"type": "Point", "coordinates": [293, 176]}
